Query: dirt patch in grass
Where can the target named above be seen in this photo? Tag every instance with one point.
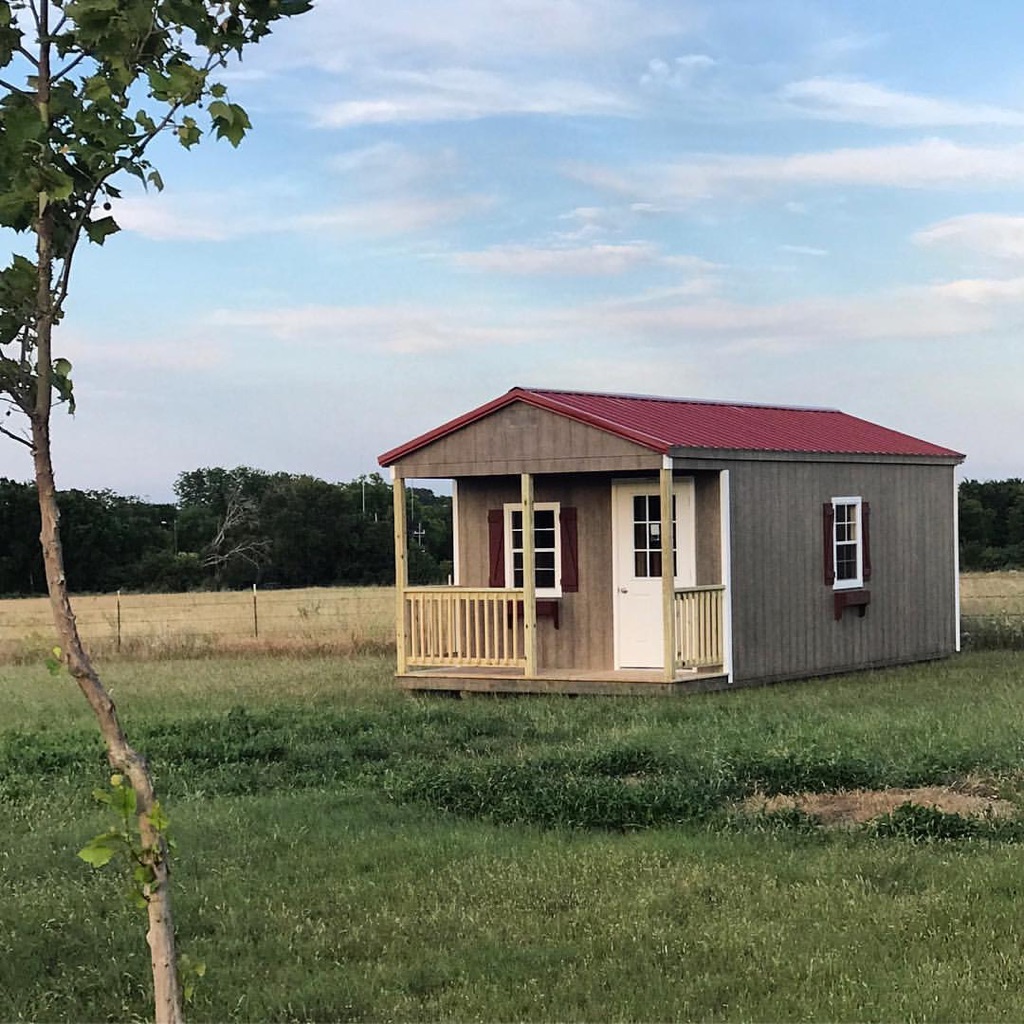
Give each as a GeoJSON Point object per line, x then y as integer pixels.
{"type": "Point", "coordinates": [854, 807]}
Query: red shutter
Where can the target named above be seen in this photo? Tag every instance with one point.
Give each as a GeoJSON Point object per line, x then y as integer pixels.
{"type": "Point", "coordinates": [496, 547]}
{"type": "Point", "coordinates": [570, 551]}
{"type": "Point", "coordinates": [828, 532]}
{"type": "Point", "coordinates": [865, 508]}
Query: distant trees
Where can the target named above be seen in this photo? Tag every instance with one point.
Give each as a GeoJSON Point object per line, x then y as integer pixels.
{"type": "Point", "coordinates": [992, 524]}
{"type": "Point", "coordinates": [229, 528]}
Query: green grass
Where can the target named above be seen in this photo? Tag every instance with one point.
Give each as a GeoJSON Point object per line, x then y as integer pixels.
{"type": "Point", "coordinates": [347, 852]}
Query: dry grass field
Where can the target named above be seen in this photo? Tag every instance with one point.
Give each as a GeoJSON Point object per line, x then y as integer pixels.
{"type": "Point", "coordinates": [992, 593]}
{"type": "Point", "coordinates": [340, 620]}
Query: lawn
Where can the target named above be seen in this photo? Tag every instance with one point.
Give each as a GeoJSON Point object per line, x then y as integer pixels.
{"type": "Point", "coordinates": [349, 852]}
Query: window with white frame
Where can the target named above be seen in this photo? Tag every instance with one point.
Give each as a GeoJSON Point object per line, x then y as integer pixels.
{"type": "Point", "coordinates": [547, 548]}
{"type": "Point", "coordinates": [848, 543]}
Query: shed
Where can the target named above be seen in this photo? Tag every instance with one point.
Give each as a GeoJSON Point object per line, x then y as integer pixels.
{"type": "Point", "coordinates": [802, 542]}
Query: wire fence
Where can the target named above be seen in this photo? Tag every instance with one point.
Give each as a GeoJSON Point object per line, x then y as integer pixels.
{"type": "Point", "coordinates": [335, 619]}
{"type": "Point", "coordinates": [330, 619]}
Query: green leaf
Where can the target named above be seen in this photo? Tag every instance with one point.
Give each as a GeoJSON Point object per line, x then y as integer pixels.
{"type": "Point", "coordinates": [97, 88]}
{"type": "Point", "coordinates": [157, 818]}
{"type": "Point", "coordinates": [230, 121]}
{"type": "Point", "coordinates": [53, 661]}
{"type": "Point", "coordinates": [188, 132]}
{"type": "Point", "coordinates": [99, 230]}
{"type": "Point", "coordinates": [102, 849]}
{"type": "Point", "coordinates": [123, 800]}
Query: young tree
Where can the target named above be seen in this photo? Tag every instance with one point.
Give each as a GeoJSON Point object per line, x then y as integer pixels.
{"type": "Point", "coordinates": [87, 87]}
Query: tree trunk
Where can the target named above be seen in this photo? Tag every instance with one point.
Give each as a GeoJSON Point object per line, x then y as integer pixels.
{"type": "Point", "coordinates": [122, 758]}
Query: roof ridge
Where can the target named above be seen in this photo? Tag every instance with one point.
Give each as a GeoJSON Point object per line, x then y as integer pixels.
{"type": "Point", "coordinates": [679, 400]}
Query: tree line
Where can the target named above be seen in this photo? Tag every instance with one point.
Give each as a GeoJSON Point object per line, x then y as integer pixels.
{"type": "Point", "coordinates": [228, 528]}
{"type": "Point", "coordinates": [992, 524]}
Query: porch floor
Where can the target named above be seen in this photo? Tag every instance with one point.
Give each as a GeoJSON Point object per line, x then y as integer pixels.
{"type": "Point", "coordinates": [620, 682]}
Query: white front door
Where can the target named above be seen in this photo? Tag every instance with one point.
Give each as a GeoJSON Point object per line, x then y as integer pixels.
{"type": "Point", "coordinates": [636, 543]}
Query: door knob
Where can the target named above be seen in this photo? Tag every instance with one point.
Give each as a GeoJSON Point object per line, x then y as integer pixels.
{"type": "Point", "coordinates": [623, 590]}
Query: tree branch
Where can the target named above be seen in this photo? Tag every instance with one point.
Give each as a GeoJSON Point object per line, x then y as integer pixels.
{"type": "Point", "coordinates": [16, 437]}
{"type": "Point", "coordinates": [13, 88]}
{"type": "Point", "coordinates": [29, 56]}
{"type": "Point", "coordinates": [68, 68]}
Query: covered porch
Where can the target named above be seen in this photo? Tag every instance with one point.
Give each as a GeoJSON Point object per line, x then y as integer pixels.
{"type": "Point", "coordinates": [487, 638]}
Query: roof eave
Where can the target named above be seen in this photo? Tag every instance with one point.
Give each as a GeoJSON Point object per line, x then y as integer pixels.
{"type": "Point", "coordinates": [946, 457]}
{"type": "Point", "coordinates": [518, 394]}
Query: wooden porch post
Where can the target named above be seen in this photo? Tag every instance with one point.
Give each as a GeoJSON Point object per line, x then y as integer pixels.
{"type": "Point", "coordinates": [401, 569]}
{"type": "Point", "coordinates": [529, 578]}
{"type": "Point", "coordinates": [668, 577]}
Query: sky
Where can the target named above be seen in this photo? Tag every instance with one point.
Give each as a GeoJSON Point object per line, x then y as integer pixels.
{"type": "Point", "coordinates": [809, 202]}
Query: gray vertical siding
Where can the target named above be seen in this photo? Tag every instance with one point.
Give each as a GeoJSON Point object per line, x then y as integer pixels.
{"type": "Point", "coordinates": [783, 621]}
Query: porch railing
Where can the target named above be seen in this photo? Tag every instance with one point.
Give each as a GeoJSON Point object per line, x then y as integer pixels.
{"type": "Point", "coordinates": [699, 626]}
{"type": "Point", "coordinates": [464, 626]}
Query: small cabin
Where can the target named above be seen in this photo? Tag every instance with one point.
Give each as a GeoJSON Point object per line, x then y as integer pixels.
{"type": "Point", "coordinates": [628, 544]}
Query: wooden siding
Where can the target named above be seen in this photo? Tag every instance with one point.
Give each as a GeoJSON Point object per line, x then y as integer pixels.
{"type": "Point", "coordinates": [783, 613]}
{"type": "Point", "coordinates": [584, 637]}
{"type": "Point", "coordinates": [707, 509]}
{"type": "Point", "coordinates": [523, 439]}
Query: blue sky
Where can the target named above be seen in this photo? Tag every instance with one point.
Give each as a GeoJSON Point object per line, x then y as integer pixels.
{"type": "Point", "coordinates": [816, 203]}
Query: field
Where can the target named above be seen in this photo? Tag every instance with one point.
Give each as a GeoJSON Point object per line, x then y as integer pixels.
{"type": "Point", "coordinates": [326, 620]}
{"type": "Point", "coordinates": [350, 852]}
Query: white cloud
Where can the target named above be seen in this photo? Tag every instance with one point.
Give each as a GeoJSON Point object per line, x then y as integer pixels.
{"type": "Point", "coordinates": [966, 309]}
{"type": "Point", "coordinates": [803, 250]}
{"type": "Point", "coordinates": [590, 260]}
{"type": "Point", "coordinates": [681, 319]}
{"type": "Point", "coordinates": [390, 165]}
{"type": "Point", "coordinates": [465, 94]}
{"type": "Point", "coordinates": [401, 330]}
{"type": "Point", "coordinates": [166, 219]}
{"type": "Point", "coordinates": [982, 291]}
{"type": "Point", "coordinates": [678, 74]}
{"type": "Point", "coordinates": [850, 100]}
{"type": "Point", "coordinates": [338, 36]}
{"type": "Point", "coordinates": [381, 218]}
{"type": "Point", "coordinates": [207, 217]}
{"type": "Point", "coordinates": [996, 235]}
{"type": "Point", "coordinates": [931, 163]}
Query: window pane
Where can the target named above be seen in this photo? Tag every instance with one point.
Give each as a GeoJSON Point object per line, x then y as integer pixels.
{"type": "Point", "coordinates": [846, 563]}
{"type": "Point", "coordinates": [655, 564]}
{"type": "Point", "coordinates": [640, 564]}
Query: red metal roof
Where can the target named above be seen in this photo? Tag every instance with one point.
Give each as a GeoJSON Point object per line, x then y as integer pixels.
{"type": "Point", "coordinates": [663, 424]}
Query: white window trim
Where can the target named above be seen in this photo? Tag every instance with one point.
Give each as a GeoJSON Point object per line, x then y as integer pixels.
{"type": "Point", "coordinates": [539, 506]}
{"type": "Point", "coordinates": [858, 581]}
